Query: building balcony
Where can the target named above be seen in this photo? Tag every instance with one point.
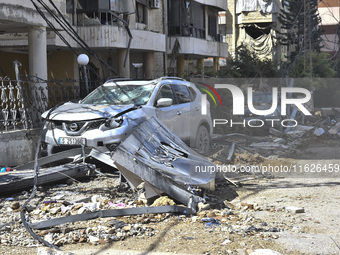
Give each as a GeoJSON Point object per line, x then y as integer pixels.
{"type": "Point", "coordinates": [221, 4]}
{"type": "Point", "coordinates": [256, 17]}
{"type": "Point", "coordinates": [199, 47]}
{"type": "Point", "coordinates": [17, 15]}
{"type": "Point", "coordinates": [110, 36]}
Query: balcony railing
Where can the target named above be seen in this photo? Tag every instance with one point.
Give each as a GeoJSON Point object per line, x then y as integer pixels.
{"type": "Point", "coordinates": [187, 31]}
{"type": "Point", "coordinates": [88, 17]}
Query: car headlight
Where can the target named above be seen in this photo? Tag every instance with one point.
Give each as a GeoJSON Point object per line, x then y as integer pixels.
{"type": "Point", "coordinates": [49, 125]}
{"type": "Point", "coordinates": [112, 123]}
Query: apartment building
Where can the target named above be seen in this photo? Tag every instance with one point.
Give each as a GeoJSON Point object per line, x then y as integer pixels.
{"type": "Point", "coordinates": [104, 26]}
{"type": "Point", "coordinates": [194, 35]}
{"type": "Point", "coordinates": [330, 26]}
{"type": "Point", "coordinates": [127, 38]}
{"type": "Point", "coordinates": [253, 24]}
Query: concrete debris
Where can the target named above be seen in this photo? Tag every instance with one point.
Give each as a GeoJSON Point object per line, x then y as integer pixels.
{"type": "Point", "coordinates": [246, 157]}
{"type": "Point", "coordinates": [154, 155]}
{"type": "Point", "coordinates": [162, 201]}
{"type": "Point", "coordinates": [226, 242]}
{"type": "Point", "coordinates": [93, 239]}
{"type": "Point", "coordinates": [319, 131]}
{"type": "Point", "coordinates": [334, 129]}
{"type": "Point", "coordinates": [203, 206]}
{"type": "Point", "coordinates": [295, 209]}
{"type": "Point", "coordinates": [280, 143]}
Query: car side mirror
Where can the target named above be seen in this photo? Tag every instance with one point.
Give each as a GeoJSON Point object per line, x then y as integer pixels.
{"type": "Point", "coordinates": [163, 102]}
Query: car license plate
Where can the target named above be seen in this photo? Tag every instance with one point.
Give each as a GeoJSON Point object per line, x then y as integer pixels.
{"type": "Point", "coordinates": [72, 141]}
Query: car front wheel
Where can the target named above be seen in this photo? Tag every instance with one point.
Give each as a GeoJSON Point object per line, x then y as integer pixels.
{"type": "Point", "coordinates": [203, 141]}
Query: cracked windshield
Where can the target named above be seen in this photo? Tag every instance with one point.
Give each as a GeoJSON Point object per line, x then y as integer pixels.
{"type": "Point", "coordinates": [123, 95]}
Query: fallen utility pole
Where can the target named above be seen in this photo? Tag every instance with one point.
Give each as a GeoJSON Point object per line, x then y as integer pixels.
{"type": "Point", "coordinates": [20, 180]}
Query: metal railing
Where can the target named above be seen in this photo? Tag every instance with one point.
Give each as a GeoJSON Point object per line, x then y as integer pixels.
{"type": "Point", "coordinates": [22, 101]}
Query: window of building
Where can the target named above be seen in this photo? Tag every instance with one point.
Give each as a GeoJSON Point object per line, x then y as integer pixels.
{"type": "Point", "coordinates": [141, 11]}
{"type": "Point", "coordinates": [212, 25]}
{"type": "Point", "coordinates": [69, 6]}
{"type": "Point", "coordinates": [186, 18]}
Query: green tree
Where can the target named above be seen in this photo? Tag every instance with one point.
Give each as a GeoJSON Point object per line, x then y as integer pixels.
{"type": "Point", "coordinates": [246, 64]}
{"type": "Point", "coordinates": [299, 21]}
{"type": "Point", "coordinates": [321, 68]}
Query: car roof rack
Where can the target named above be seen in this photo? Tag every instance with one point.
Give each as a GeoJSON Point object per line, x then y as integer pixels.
{"type": "Point", "coordinates": [118, 79]}
{"type": "Point", "coordinates": [172, 78]}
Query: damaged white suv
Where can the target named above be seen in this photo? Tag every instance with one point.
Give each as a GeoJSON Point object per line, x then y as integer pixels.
{"type": "Point", "coordinates": [109, 114]}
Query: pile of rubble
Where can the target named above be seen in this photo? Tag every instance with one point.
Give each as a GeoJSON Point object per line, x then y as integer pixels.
{"type": "Point", "coordinates": [221, 217]}
{"type": "Point", "coordinates": [279, 143]}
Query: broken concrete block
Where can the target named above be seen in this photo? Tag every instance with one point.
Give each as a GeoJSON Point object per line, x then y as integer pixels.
{"type": "Point", "coordinates": [319, 131]}
{"type": "Point", "coordinates": [295, 209]}
{"type": "Point", "coordinates": [93, 239]}
{"type": "Point", "coordinates": [194, 218]}
{"type": "Point", "coordinates": [335, 129]}
{"type": "Point", "coordinates": [49, 238]}
{"type": "Point", "coordinates": [202, 206]}
{"type": "Point", "coordinates": [249, 206]}
{"type": "Point", "coordinates": [126, 228]}
{"type": "Point", "coordinates": [55, 210]}
{"type": "Point", "coordinates": [142, 199]}
{"type": "Point", "coordinates": [211, 214]}
{"type": "Point", "coordinates": [226, 241]}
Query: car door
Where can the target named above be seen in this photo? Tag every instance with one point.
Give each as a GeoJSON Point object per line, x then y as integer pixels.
{"type": "Point", "coordinates": [169, 115]}
{"type": "Point", "coordinates": [183, 110]}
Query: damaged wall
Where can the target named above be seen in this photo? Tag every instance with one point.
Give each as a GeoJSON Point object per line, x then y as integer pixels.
{"type": "Point", "coordinates": [17, 147]}
{"type": "Point", "coordinates": [254, 24]}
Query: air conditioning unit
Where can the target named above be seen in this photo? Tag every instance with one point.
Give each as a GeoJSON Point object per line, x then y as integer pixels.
{"type": "Point", "coordinates": [155, 4]}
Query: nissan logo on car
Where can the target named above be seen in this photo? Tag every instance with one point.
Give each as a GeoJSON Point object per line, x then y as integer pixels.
{"type": "Point", "coordinates": [73, 127]}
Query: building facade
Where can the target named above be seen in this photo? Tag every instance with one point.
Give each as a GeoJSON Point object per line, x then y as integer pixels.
{"type": "Point", "coordinates": [194, 35]}
{"type": "Point", "coordinates": [126, 38]}
{"type": "Point", "coordinates": [254, 25]}
{"type": "Point", "coordinates": [330, 26]}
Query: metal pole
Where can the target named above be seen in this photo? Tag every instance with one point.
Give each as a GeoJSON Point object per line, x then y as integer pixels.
{"type": "Point", "coordinates": [86, 80]}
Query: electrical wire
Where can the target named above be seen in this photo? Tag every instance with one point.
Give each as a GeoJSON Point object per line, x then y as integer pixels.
{"type": "Point", "coordinates": [64, 24]}
{"type": "Point", "coordinates": [34, 190]}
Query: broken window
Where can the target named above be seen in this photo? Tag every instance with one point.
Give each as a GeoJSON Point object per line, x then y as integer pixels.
{"type": "Point", "coordinates": [141, 11]}
{"type": "Point", "coordinates": [122, 95]}
{"type": "Point", "coordinates": [256, 30]}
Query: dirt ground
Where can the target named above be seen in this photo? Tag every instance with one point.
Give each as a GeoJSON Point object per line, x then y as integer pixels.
{"type": "Point", "coordinates": [254, 215]}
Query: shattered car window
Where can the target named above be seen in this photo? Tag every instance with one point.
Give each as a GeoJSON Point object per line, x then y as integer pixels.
{"type": "Point", "coordinates": [122, 95]}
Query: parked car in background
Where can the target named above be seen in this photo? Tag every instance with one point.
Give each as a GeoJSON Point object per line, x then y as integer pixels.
{"type": "Point", "coordinates": [109, 114]}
